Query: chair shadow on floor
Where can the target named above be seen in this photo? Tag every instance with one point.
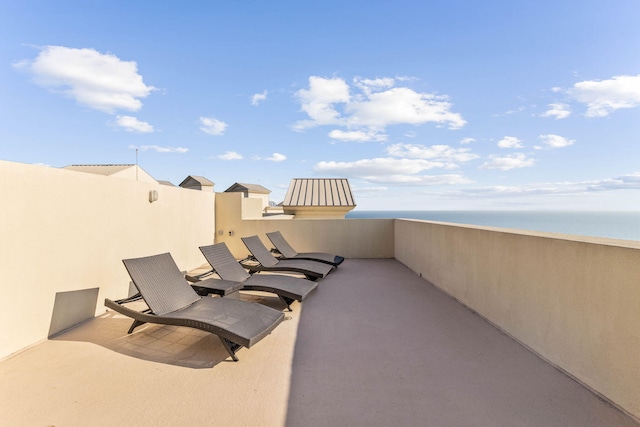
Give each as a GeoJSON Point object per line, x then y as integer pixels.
{"type": "Point", "coordinates": [172, 345]}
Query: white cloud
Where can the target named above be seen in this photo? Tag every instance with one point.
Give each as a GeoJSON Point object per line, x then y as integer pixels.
{"type": "Point", "coordinates": [558, 111]}
{"type": "Point", "coordinates": [467, 140]}
{"type": "Point", "coordinates": [99, 81]}
{"type": "Point", "coordinates": [230, 155]}
{"type": "Point", "coordinates": [625, 182]}
{"type": "Point", "coordinates": [603, 97]}
{"type": "Point", "coordinates": [404, 165]}
{"type": "Point", "coordinates": [401, 105]}
{"type": "Point", "coordinates": [369, 190]}
{"type": "Point", "coordinates": [376, 105]}
{"type": "Point", "coordinates": [258, 98]}
{"type": "Point", "coordinates": [318, 101]}
{"type": "Point", "coordinates": [212, 126]}
{"type": "Point", "coordinates": [277, 157]}
{"type": "Point", "coordinates": [510, 142]}
{"type": "Point", "coordinates": [513, 161]}
{"type": "Point", "coordinates": [390, 171]}
{"type": "Point", "coordinates": [159, 149]}
{"type": "Point", "coordinates": [357, 135]}
{"type": "Point", "coordinates": [377, 166]}
{"type": "Point", "coordinates": [555, 141]}
{"type": "Point", "coordinates": [372, 85]}
{"type": "Point", "coordinates": [410, 134]}
{"type": "Point", "coordinates": [424, 180]}
{"type": "Point", "coordinates": [442, 153]}
{"type": "Point", "coordinates": [132, 124]}
{"type": "Point", "coordinates": [516, 111]}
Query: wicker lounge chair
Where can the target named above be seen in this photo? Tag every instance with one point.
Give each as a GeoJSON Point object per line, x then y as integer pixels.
{"type": "Point", "coordinates": [285, 251]}
{"type": "Point", "coordinates": [172, 301]}
{"type": "Point", "coordinates": [221, 259]}
{"type": "Point", "coordinates": [265, 261]}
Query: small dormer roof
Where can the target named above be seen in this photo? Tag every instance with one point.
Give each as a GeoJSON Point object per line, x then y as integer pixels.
{"type": "Point", "coordinates": [239, 187]}
{"type": "Point", "coordinates": [196, 182]}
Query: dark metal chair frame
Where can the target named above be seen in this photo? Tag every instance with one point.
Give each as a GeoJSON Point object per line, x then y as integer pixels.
{"type": "Point", "coordinates": [287, 288]}
{"type": "Point", "coordinates": [171, 301]}
{"type": "Point", "coordinates": [283, 250]}
{"type": "Point", "coordinates": [263, 260]}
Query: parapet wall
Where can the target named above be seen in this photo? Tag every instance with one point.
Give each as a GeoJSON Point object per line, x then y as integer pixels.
{"type": "Point", "coordinates": [351, 238]}
{"type": "Point", "coordinates": [574, 301]}
{"type": "Point", "coordinates": [65, 233]}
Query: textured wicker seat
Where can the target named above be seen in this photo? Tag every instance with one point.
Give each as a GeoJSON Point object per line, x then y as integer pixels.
{"type": "Point", "coordinates": [172, 301]}
{"type": "Point", "coordinates": [221, 259]}
{"type": "Point", "coordinates": [313, 270]}
{"type": "Point", "coordinates": [285, 250]}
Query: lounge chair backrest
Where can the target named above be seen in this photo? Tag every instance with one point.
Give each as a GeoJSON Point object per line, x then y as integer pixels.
{"type": "Point", "coordinates": [221, 259]}
{"type": "Point", "coordinates": [281, 244]}
{"type": "Point", "coordinates": [260, 251]}
{"type": "Point", "coordinates": [160, 283]}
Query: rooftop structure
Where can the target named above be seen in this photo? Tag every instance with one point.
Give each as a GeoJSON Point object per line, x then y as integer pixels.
{"type": "Point", "coordinates": [424, 323]}
{"type": "Point", "coordinates": [255, 191]}
{"type": "Point", "coordinates": [247, 189]}
{"type": "Point", "coordinates": [195, 182]}
{"type": "Point", "coordinates": [319, 198]}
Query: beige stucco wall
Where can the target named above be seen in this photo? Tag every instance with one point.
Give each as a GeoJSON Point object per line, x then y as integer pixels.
{"type": "Point", "coordinates": [65, 233]}
{"type": "Point", "coordinates": [264, 199]}
{"type": "Point", "coordinates": [252, 208]}
{"type": "Point", "coordinates": [351, 238]}
{"type": "Point", "coordinates": [305, 212]}
{"type": "Point", "coordinates": [574, 302]}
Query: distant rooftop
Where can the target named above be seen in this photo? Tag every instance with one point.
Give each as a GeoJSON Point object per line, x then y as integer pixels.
{"type": "Point", "coordinates": [196, 182]}
{"type": "Point", "coordinates": [239, 187]}
{"type": "Point", "coordinates": [331, 192]}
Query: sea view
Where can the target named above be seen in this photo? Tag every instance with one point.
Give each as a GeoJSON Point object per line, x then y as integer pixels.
{"type": "Point", "coordinates": [615, 225]}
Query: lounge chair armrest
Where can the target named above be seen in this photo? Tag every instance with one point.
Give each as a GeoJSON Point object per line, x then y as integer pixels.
{"type": "Point", "coordinates": [142, 316]}
{"type": "Point", "coordinates": [193, 278]}
{"type": "Point", "coordinates": [277, 253]}
{"type": "Point", "coordinates": [216, 286]}
{"type": "Point", "coordinates": [132, 298]}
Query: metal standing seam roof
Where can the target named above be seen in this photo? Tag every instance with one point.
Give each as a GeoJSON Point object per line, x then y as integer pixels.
{"type": "Point", "coordinates": [319, 192]}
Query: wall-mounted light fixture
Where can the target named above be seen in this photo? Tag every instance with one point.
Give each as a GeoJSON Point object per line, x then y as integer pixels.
{"type": "Point", "coordinates": [153, 196]}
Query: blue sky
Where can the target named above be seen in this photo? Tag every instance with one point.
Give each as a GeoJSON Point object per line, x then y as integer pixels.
{"type": "Point", "coordinates": [420, 104]}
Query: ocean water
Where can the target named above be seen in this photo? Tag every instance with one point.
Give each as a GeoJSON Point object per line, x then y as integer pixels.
{"type": "Point", "coordinates": [616, 225]}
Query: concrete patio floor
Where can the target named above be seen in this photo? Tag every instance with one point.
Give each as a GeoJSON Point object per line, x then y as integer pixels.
{"type": "Point", "coordinates": [375, 345]}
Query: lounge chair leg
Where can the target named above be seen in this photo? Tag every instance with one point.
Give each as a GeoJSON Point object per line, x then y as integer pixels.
{"type": "Point", "coordinates": [286, 301]}
{"type": "Point", "coordinates": [135, 324]}
{"type": "Point", "coordinates": [231, 348]}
